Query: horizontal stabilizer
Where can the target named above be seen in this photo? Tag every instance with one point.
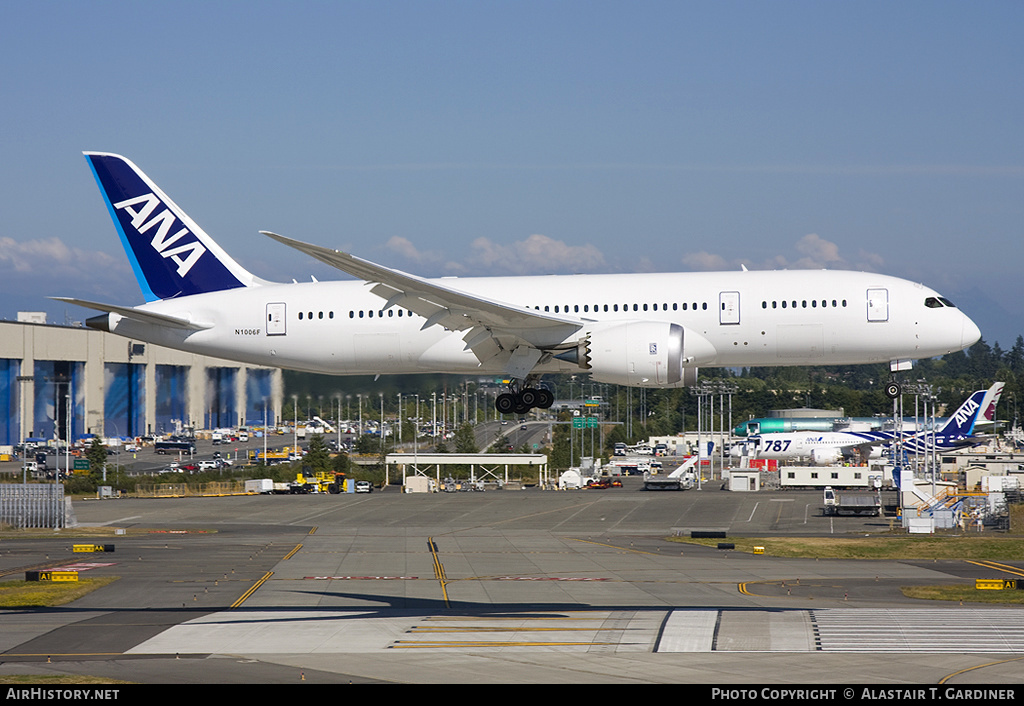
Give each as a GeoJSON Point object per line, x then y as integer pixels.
{"type": "Point", "coordinates": [146, 317]}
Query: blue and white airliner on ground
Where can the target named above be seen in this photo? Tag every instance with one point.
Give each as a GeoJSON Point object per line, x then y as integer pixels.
{"type": "Point", "coordinates": [651, 330]}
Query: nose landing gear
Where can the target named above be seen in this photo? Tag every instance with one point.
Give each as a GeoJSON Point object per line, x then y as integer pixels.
{"type": "Point", "coordinates": [893, 389]}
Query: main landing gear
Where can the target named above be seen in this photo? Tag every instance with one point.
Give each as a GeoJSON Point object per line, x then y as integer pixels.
{"type": "Point", "coordinates": [523, 400]}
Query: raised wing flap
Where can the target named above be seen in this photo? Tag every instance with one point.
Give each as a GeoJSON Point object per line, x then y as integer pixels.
{"type": "Point", "coordinates": [446, 306]}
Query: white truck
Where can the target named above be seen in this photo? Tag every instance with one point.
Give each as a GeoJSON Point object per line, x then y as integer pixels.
{"type": "Point", "coordinates": [846, 503]}
{"type": "Point", "coordinates": [263, 486]}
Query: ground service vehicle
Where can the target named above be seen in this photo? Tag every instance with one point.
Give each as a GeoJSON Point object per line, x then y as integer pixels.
{"type": "Point", "coordinates": [843, 503]}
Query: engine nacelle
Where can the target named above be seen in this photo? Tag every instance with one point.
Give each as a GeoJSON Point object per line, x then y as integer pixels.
{"type": "Point", "coordinates": [643, 354]}
{"type": "Point", "coordinates": [826, 457]}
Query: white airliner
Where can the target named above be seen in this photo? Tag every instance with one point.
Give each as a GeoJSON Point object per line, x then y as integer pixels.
{"type": "Point", "coordinates": [822, 448]}
{"type": "Point", "coordinates": [650, 330]}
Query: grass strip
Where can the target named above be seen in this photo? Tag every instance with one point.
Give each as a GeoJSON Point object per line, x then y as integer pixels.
{"type": "Point", "coordinates": [44, 594]}
{"type": "Point", "coordinates": [966, 594]}
{"type": "Point", "coordinates": [894, 548]}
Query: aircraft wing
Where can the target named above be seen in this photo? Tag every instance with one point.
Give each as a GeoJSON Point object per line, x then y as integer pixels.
{"type": "Point", "coordinates": [147, 317]}
{"type": "Point", "coordinates": [492, 326]}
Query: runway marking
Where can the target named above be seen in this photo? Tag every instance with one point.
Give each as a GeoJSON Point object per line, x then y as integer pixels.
{"type": "Point", "coordinates": [547, 578]}
{"type": "Point", "coordinates": [476, 644]}
{"type": "Point", "coordinates": [292, 553]}
{"type": "Point", "coordinates": [678, 630]}
{"type": "Point", "coordinates": [439, 570]}
{"type": "Point", "coordinates": [252, 589]}
{"type": "Point", "coordinates": [979, 666]}
{"type": "Point", "coordinates": [997, 566]}
{"type": "Point", "coordinates": [580, 616]}
{"type": "Point", "coordinates": [419, 629]}
{"type": "Point", "coordinates": [361, 578]}
{"type": "Point", "coordinates": [448, 580]}
{"type": "Point", "coordinates": [612, 546]}
{"type": "Point", "coordinates": [85, 566]}
{"type": "Point", "coordinates": [817, 583]}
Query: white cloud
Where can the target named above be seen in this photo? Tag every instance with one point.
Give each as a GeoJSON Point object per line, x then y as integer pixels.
{"type": "Point", "coordinates": [817, 249]}
{"type": "Point", "coordinates": [816, 253]}
{"type": "Point", "coordinates": [704, 260]}
{"type": "Point", "coordinates": [49, 266]}
{"type": "Point", "coordinates": [52, 255]}
{"type": "Point", "coordinates": [405, 249]}
{"type": "Point", "coordinates": [538, 254]}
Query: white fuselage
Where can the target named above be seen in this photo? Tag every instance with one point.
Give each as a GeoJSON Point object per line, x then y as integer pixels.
{"type": "Point", "coordinates": [749, 318]}
{"type": "Point", "coordinates": [826, 447]}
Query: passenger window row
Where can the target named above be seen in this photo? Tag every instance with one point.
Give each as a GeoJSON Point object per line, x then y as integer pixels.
{"type": "Point", "coordinates": [930, 302]}
{"type": "Point", "coordinates": [803, 304]}
{"type": "Point", "coordinates": [380, 313]}
{"type": "Point", "coordinates": [354, 314]}
{"type": "Point", "coordinates": [586, 308]}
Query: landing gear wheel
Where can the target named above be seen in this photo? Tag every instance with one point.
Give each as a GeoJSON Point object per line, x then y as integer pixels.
{"type": "Point", "coordinates": [893, 390]}
{"type": "Point", "coordinates": [529, 397]}
{"type": "Point", "coordinates": [545, 398]}
{"type": "Point", "coordinates": [505, 403]}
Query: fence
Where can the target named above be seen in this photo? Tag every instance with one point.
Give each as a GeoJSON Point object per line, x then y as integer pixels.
{"type": "Point", "coordinates": [34, 505]}
{"type": "Point", "coordinates": [177, 490]}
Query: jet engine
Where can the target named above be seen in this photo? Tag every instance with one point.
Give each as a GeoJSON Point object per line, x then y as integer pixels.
{"type": "Point", "coordinates": [826, 457]}
{"type": "Point", "coordinates": [642, 354]}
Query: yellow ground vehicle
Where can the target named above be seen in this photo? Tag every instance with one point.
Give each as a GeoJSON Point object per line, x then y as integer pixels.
{"type": "Point", "coordinates": [283, 455]}
{"type": "Point", "coordinates": [322, 482]}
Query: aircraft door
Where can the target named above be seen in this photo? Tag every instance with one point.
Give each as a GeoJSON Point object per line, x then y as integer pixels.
{"type": "Point", "coordinates": [276, 319]}
{"type": "Point", "coordinates": [878, 305]}
{"type": "Point", "coordinates": [729, 308]}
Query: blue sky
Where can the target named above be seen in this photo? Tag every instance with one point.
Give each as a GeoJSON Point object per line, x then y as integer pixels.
{"type": "Point", "coordinates": [474, 138]}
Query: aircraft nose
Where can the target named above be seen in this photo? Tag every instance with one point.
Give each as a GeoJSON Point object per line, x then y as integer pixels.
{"type": "Point", "coordinates": [971, 333]}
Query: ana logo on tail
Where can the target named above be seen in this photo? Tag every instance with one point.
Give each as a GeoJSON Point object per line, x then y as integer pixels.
{"type": "Point", "coordinates": [170, 254]}
{"type": "Point", "coordinates": [161, 242]}
{"type": "Point", "coordinates": [966, 413]}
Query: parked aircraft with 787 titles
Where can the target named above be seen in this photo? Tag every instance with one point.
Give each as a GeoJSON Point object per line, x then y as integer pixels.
{"type": "Point", "coordinates": [651, 330]}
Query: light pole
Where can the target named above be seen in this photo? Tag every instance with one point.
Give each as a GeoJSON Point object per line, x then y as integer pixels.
{"type": "Point", "coordinates": [337, 421]}
{"type": "Point", "coordinates": [295, 422]}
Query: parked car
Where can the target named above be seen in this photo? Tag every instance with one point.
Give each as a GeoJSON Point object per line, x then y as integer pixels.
{"type": "Point", "coordinates": [364, 486]}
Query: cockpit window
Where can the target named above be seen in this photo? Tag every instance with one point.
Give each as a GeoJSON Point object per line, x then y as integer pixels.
{"type": "Point", "coordinates": [947, 302]}
{"type": "Point", "coordinates": [933, 303]}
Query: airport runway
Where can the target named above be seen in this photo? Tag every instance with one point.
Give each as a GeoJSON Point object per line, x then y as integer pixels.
{"type": "Point", "coordinates": [496, 587]}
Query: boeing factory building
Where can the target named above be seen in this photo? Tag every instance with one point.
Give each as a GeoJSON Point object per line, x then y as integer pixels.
{"type": "Point", "coordinates": [66, 381]}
